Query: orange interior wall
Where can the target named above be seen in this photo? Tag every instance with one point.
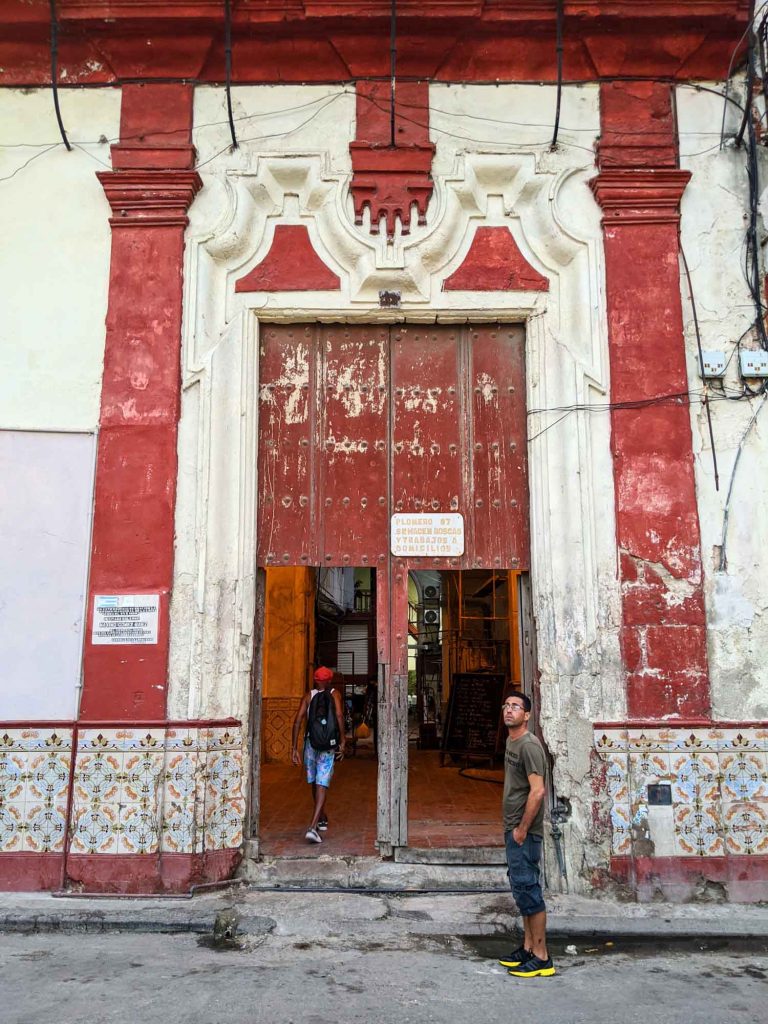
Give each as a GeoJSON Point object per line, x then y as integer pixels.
{"type": "Point", "coordinates": [288, 631]}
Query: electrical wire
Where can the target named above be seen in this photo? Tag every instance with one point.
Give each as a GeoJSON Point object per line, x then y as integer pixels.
{"type": "Point", "coordinates": [747, 30]}
{"type": "Point", "coordinates": [723, 565]}
{"type": "Point", "coordinates": [559, 49]}
{"type": "Point", "coordinates": [705, 399]}
{"type": "Point", "coordinates": [36, 156]}
{"type": "Point", "coordinates": [228, 69]}
{"type": "Point", "coordinates": [55, 72]}
{"type": "Point", "coordinates": [273, 135]}
{"type": "Point", "coordinates": [392, 69]}
{"type": "Point", "coordinates": [104, 140]}
{"type": "Point", "coordinates": [750, 77]}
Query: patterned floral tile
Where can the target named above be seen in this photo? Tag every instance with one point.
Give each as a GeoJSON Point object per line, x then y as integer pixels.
{"type": "Point", "coordinates": [13, 775]}
{"type": "Point", "coordinates": [695, 741]}
{"type": "Point", "coordinates": [695, 777]}
{"type": "Point", "coordinates": [621, 823]}
{"type": "Point", "coordinates": [98, 777]}
{"type": "Point", "coordinates": [141, 779]}
{"type": "Point", "coordinates": [744, 776]}
{"type": "Point", "coordinates": [224, 775]}
{"type": "Point", "coordinates": [610, 740]}
{"type": "Point", "coordinates": [617, 777]}
{"type": "Point", "coordinates": [48, 776]}
{"type": "Point", "coordinates": [642, 741]}
{"type": "Point", "coordinates": [45, 827]}
{"type": "Point", "coordinates": [181, 738]}
{"type": "Point", "coordinates": [224, 826]}
{"type": "Point", "coordinates": [223, 738]}
{"type": "Point", "coordinates": [11, 826]}
{"type": "Point", "coordinates": [737, 740]}
{"type": "Point", "coordinates": [183, 800]}
{"type": "Point", "coordinates": [95, 829]}
{"type": "Point", "coordinates": [181, 832]}
{"type": "Point", "coordinates": [746, 827]}
{"type": "Point", "coordinates": [28, 739]}
{"type": "Point", "coordinates": [697, 829]}
{"type": "Point", "coordinates": [139, 830]}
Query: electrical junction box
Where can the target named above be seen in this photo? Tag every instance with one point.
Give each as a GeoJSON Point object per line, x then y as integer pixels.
{"type": "Point", "coordinates": [754, 363]}
{"type": "Point", "coordinates": [713, 364]}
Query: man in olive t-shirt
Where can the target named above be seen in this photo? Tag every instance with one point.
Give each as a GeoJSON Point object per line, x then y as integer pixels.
{"type": "Point", "coordinates": [523, 806]}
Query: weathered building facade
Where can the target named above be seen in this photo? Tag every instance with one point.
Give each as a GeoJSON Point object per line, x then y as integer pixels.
{"type": "Point", "coordinates": [307, 267]}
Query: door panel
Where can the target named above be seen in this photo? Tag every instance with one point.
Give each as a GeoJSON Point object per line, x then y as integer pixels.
{"type": "Point", "coordinates": [360, 422]}
{"type": "Point", "coordinates": [353, 418]}
{"type": "Point", "coordinates": [285, 529]}
{"type": "Point", "coordinates": [428, 443]}
{"type": "Point", "coordinates": [499, 476]}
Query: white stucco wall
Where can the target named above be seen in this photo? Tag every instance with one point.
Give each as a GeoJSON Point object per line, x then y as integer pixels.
{"type": "Point", "coordinates": [55, 273]}
{"type": "Point", "coordinates": [45, 526]}
{"type": "Point", "coordinates": [714, 211]}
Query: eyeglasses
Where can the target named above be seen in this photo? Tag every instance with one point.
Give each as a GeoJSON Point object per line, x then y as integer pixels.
{"type": "Point", "coordinates": [513, 707]}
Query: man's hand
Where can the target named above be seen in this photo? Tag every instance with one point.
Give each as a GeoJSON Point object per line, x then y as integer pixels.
{"type": "Point", "coordinates": [519, 835]}
{"type": "Point", "coordinates": [340, 753]}
{"type": "Point", "coordinates": [295, 757]}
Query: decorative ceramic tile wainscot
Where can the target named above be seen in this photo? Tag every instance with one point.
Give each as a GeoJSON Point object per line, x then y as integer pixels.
{"type": "Point", "coordinates": [686, 790]}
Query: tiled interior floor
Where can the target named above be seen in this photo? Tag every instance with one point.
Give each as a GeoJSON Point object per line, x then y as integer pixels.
{"type": "Point", "coordinates": [445, 809]}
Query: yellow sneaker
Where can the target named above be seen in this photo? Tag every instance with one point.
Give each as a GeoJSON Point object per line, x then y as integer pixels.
{"type": "Point", "coordinates": [533, 968]}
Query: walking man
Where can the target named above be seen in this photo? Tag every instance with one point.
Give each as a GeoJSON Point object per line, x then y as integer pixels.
{"type": "Point", "coordinates": [523, 807]}
{"type": "Point", "coordinates": [319, 764]}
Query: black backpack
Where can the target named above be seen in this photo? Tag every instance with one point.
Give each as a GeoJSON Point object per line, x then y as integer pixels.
{"type": "Point", "coordinates": [322, 727]}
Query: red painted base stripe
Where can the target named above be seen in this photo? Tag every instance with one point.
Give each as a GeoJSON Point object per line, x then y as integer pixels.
{"type": "Point", "coordinates": [129, 874]}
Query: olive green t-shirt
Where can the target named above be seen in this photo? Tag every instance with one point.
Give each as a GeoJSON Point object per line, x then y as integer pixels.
{"type": "Point", "coordinates": [523, 757]}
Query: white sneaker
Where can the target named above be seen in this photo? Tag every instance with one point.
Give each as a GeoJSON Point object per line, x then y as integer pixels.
{"type": "Point", "coordinates": [313, 836]}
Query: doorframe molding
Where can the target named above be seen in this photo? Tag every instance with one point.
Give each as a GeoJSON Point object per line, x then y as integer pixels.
{"type": "Point", "coordinates": [556, 225]}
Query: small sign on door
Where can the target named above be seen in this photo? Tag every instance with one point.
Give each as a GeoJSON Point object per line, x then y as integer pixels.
{"type": "Point", "coordinates": [427, 534]}
{"type": "Point", "coordinates": [125, 618]}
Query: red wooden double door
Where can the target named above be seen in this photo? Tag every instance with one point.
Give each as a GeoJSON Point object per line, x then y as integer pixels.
{"type": "Point", "coordinates": [357, 423]}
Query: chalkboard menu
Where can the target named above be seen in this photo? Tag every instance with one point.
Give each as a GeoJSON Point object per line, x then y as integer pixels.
{"type": "Point", "coordinates": [473, 721]}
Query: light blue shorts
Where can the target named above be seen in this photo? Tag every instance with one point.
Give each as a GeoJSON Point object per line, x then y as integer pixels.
{"type": "Point", "coordinates": [319, 765]}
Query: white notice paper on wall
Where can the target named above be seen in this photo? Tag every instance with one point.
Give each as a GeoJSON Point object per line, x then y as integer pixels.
{"type": "Point", "coordinates": [125, 618]}
{"type": "Point", "coordinates": [428, 534]}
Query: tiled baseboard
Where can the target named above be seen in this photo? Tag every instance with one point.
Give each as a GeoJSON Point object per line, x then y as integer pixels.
{"type": "Point", "coordinates": [714, 777]}
{"type": "Point", "coordinates": [142, 790]}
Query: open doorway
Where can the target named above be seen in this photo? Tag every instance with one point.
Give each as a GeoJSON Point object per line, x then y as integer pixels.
{"type": "Point", "coordinates": [463, 650]}
{"type": "Point", "coordinates": [313, 617]}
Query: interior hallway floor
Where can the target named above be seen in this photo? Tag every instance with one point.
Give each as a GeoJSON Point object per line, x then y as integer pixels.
{"type": "Point", "coordinates": [445, 809]}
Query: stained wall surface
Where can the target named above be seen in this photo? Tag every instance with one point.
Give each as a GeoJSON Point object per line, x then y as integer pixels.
{"type": "Point", "coordinates": [714, 211]}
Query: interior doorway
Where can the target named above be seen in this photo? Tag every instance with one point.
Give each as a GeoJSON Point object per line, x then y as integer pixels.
{"type": "Point", "coordinates": [464, 649]}
{"type": "Point", "coordinates": [319, 617]}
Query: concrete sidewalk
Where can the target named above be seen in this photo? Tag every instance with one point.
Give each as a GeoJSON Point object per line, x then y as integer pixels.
{"type": "Point", "coordinates": [380, 917]}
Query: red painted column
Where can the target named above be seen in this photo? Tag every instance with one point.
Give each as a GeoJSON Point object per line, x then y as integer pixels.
{"type": "Point", "coordinates": [639, 189]}
{"type": "Point", "coordinates": [149, 191]}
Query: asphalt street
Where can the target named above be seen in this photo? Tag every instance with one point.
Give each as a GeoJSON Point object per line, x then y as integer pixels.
{"type": "Point", "coordinates": [125, 977]}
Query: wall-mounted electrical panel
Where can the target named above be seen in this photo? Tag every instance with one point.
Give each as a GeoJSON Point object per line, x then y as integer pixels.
{"type": "Point", "coordinates": [713, 364]}
{"type": "Point", "coordinates": [754, 363]}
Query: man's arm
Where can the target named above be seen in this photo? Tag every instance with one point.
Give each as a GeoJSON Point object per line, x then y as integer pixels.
{"type": "Point", "coordinates": [532, 805]}
{"type": "Point", "coordinates": [340, 719]}
{"type": "Point", "coordinates": [301, 716]}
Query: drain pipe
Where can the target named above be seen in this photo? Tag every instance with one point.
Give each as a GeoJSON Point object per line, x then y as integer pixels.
{"type": "Point", "coordinates": [194, 890]}
{"type": "Point", "coordinates": [559, 814]}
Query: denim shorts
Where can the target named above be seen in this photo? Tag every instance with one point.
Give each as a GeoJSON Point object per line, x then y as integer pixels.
{"type": "Point", "coordinates": [523, 871]}
{"type": "Point", "coordinates": [319, 765]}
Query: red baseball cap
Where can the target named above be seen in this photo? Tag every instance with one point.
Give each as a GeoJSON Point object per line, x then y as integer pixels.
{"type": "Point", "coordinates": [322, 675]}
